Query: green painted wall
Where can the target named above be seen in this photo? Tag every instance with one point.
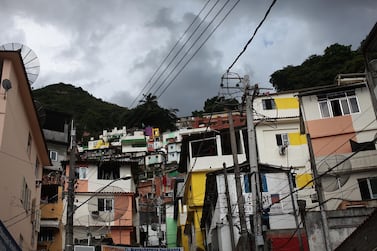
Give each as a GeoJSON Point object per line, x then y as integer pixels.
{"type": "Point", "coordinates": [171, 233]}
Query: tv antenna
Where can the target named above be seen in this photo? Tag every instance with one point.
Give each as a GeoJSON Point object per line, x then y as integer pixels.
{"type": "Point", "coordinates": [29, 58]}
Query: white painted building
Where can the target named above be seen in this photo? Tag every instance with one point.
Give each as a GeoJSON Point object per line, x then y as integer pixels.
{"type": "Point", "coordinates": [279, 141]}
{"type": "Point", "coordinates": [275, 186]}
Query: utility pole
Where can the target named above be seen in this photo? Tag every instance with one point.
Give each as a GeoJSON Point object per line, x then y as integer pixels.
{"type": "Point", "coordinates": [253, 162]}
{"type": "Point", "coordinates": [71, 193]}
{"type": "Point", "coordinates": [244, 239]}
{"type": "Point", "coordinates": [159, 212]}
{"type": "Point", "coordinates": [318, 188]}
{"type": "Point", "coordinates": [229, 207]}
{"type": "Point", "coordinates": [295, 211]}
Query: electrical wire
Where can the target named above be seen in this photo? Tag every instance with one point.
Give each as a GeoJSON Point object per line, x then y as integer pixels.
{"type": "Point", "coordinates": [211, 33]}
{"type": "Point", "coordinates": [324, 173]}
{"type": "Point", "coordinates": [183, 46]}
{"type": "Point", "coordinates": [171, 51]}
{"type": "Point", "coordinates": [252, 37]}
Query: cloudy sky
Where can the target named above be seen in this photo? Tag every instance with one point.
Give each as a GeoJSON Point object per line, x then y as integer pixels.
{"type": "Point", "coordinates": [115, 49]}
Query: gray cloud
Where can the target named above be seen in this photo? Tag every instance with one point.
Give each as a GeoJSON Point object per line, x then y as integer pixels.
{"type": "Point", "coordinates": [111, 48]}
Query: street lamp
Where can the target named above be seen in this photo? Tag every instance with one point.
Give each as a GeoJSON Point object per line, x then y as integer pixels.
{"type": "Point", "coordinates": [72, 209]}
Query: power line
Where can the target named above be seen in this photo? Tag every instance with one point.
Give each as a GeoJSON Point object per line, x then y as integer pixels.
{"type": "Point", "coordinates": [324, 173]}
{"type": "Point", "coordinates": [255, 32]}
{"type": "Point", "coordinates": [193, 44]}
{"type": "Point", "coordinates": [222, 20]}
{"type": "Point", "coordinates": [170, 52]}
{"type": "Point", "coordinates": [182, 47]}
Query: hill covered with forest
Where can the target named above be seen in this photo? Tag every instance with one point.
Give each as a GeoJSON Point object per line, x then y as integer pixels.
{"type": "Point", "coordinates": [92, 115]}
{"type": "Point", "coordinates": [318, 70]}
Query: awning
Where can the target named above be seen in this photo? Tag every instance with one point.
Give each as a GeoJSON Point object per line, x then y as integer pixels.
{"type": "Point", "coordinates": [50, 223]}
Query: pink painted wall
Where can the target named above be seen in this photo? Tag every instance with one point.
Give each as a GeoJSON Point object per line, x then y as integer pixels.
{"type": "Point", "coordinates": [331, 136]}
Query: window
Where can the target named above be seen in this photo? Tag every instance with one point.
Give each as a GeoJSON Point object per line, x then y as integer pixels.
{"type": "Point", "coordinates": [29, 141]}
{"type": "Point", "coordinates": [338, 104]}
{"type": "Point", "coordinates": [25, 195]}
{"type": "Point", "coordinates": [268, 104]}
{"type": "Point", "coordinates": [368, 188]}
{"type": "Point", "coordinates": [46, 235]}
{"type": "Point", "coordinates": [49, 193]}
{"type": "Point", "coordinates": [247, 183]}
{"type": "Point", "coordinates": [226, 147]}
{"type": "Point", "coordinates": [36, 167]}
{"type": "Point", "coordinates": [206, 147]}
{"type": "Point", "coordinates": [282, 139]}
{"type": "Point", "coordinates": [108, 172]}
{"type": "Point", "coordinates": [105, 205]}
{"type": "Point", "coordinates": [83, 173]}
{"type": "Point", "coordinates": [53, 155]}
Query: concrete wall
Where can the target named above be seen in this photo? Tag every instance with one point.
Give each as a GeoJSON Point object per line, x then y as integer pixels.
{"type": "Point", "coordinates": [341, 224]}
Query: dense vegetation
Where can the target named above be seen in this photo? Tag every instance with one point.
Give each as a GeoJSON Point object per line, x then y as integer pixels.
{"type": "Point", "coordinates": [217, 104]}
{"type": "Point", "coordinates": [92, 115]}
{"type": "Point", "coordinates": [319, 70]}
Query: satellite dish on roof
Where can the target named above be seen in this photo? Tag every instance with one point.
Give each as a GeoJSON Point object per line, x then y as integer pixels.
{"type": "Point", "coordinates": [29, 58]}
{"type": "Point", "coordinates": [338, 176]}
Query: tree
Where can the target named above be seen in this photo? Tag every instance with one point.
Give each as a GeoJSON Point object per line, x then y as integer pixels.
{"type": "Point", "coordinates": [149, 113]}
{"type": "Point", "coordinates": [217, 104]}
{"type": "Point", "coordinates": [319, 70]}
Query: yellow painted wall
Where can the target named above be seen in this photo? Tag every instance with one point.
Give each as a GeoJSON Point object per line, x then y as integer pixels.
{"type": "Point", "coordinates": [196, 190]}
{"type": "Point", "coordinates": [184, 240]}
{"type": "Point", "coordinates": [195, 197]}
{"type": "Point", "coordinates": [303, 179]}
{"type": "Point", "coordinates": [297, 139]}
{"type": "Point", "coordinates": [286, 103]}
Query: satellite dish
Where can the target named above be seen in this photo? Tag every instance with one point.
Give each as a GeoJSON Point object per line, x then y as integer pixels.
{"type": "Point", "coordinates": [29, 58]}
{"type": "Point", "coordinates": [118, 209]}
{"type": "Point", "coordinates": [337, 177]}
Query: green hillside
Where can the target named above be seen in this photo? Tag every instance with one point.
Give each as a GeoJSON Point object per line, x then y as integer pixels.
{"type": "Point", "coordinates": [318, 70]}
{"type": "Point", "coordinates": [93, 115]}
{"type": "Point", "coordinates": [89, 113]}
